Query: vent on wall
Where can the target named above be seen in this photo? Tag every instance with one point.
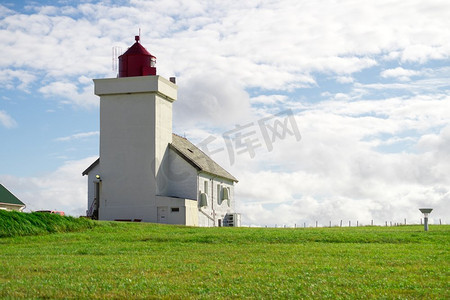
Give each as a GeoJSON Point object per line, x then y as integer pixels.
{"type": "Point", "coordinates": [232, 220]}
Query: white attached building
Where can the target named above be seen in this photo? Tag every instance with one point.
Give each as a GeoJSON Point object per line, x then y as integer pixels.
{"type": "Point", "coordinates": [145, 172]}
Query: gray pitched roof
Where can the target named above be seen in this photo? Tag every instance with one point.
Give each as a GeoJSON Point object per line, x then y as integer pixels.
{"type": "Point", "coordinates": [96, 162]}
{"type": "Point", "coordinates": [8, 197]}
{"type": "Point", "coordinates": [189, 152]}
{"type": "Point", "coordinates": [198, 158]}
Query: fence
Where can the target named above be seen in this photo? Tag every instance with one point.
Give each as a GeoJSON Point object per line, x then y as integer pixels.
{"type": "Point", "coordinates": [341, 223]}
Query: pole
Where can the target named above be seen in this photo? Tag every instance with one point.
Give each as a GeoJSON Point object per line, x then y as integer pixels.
{"type": "Point", "coordinates": [425, 223]}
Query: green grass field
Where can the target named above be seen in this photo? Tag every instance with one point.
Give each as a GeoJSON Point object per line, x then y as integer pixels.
{"type": "Point", "coordinates": [133, 260]}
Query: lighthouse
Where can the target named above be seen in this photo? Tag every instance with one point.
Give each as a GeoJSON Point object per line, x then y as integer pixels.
{"type": "Point", "coordinates": [145, 172]}
{"type": "Point", "coordinates": [137, 61]}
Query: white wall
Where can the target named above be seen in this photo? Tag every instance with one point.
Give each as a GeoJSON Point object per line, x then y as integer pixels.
{"type": "Point", "coordinates": [187, 210]}
{"type": "Point", "coordinates": [216, 209]}
{"type": "Point", "coordinates": [163, 136]}
{"type": "Point", "coordinates": [135, 130]}
{"type": "Point", "coordinates": [11, 207]}
{"type": "Point", "coordinates": [181, 177]}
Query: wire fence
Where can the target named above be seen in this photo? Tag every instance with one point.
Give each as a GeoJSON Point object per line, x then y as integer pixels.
{"type": "Point", "coordinates": [349, 223]}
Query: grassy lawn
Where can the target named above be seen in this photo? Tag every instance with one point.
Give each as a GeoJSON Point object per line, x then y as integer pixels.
{"type": "Point", "coordinates": [126, 260]}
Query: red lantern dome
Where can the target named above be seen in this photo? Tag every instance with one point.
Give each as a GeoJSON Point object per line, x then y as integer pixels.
{"type": "Point", "coordinates": [136, 61]}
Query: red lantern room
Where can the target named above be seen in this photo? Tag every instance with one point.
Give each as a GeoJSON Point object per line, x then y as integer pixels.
{"type": "Point", "coordinates": [136, 61]}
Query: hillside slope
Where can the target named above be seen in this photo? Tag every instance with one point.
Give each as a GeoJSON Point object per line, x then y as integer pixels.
{"type": "Point", "coordinates": [14, 223]}
{"type": "Point", "coordinates": [129, 260]}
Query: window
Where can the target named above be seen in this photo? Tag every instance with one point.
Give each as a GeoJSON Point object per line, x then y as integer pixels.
{"type": "Point", "coordinates": [226, 195]}
{"type": "Point", "coordinates": [174, 209]}
{"type": "Point", "coordinates": [205, 187]}
{"type": "Point", "coordinates": [203, 200]}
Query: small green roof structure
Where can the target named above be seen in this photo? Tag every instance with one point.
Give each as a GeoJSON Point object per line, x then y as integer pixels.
{"type": "Point", "coordinates": [8, 201]}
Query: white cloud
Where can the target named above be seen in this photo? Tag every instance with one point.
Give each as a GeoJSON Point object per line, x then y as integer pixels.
{"type": "Point", "coordinates": [6, 120]}
{"type": "Point", "coordinates": [9, 79]}
{"type": "Point", "coordinates": [350, 182]}
{"type": "Point", "coordinates": [78, 136]}
{"type": "Point", "coordinates": [4, 11]}
{"type": "Point", "coordinates": [270, 45]}
{"type": "Point", "coordinates": [422, 53]}
{"type": "Point", "coordinates": [345, 79]}
{"type": "Point", "coordinates": [63, 189]}
{"type": "Point", "coordinates": [228, 55]}
{"type": "Point", "coordinates": [268, 99]}
{"type": "Point", "coordinates": [337, 171]}
{"type": "Point", "coordinates": [399, 73]}
{"type": "Point", "coordinates": [70, 93]}
{"type": "Point", "coordinates": [211, 99]}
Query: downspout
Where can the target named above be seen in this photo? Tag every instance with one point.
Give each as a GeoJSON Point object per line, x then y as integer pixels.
{"type": "Point", "coordinates": [212, 203]}
{"type": "Point", "coordinates": [198, 200]}
{"type": "Point", "coordinates": [212, 200]}
{"type": "Point", "coordinates": [213, 218]}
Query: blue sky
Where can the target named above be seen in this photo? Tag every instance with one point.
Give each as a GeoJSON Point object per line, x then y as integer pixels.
{"type": "Point", "coordinates": [367, 84]}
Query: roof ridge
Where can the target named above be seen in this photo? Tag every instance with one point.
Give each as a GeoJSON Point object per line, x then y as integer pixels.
{"type": "Point", "coordinates": [208, 166]}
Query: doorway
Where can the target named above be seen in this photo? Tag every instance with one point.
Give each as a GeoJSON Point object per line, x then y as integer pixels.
{"type": "Point", "coordinates": [162, 214]}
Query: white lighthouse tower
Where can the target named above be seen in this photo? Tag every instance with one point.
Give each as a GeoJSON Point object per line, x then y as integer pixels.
{"type": "Point", "coordinates": [145, 172]}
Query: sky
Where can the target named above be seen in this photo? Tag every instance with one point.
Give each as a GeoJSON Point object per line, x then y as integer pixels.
{"type": "Point", "coordinates": [323, 110]}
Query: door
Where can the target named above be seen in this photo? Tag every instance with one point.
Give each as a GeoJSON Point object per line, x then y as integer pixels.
{"type": "Point", "coordinates": [95, 207]}
{"type": "Point", "coordinates": [162, 214]}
